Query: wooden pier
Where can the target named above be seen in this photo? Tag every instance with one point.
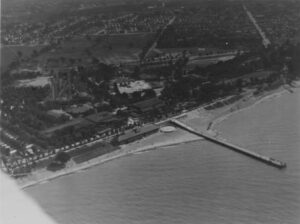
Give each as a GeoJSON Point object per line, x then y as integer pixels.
{"type": "Point", "coordinates": [264, 159]}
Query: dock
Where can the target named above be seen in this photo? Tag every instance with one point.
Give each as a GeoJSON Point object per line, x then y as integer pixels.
{"type": "Point", "coordinates": [267, 160]}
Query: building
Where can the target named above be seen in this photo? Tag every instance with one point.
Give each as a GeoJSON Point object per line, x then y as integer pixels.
{"type": "Point", "coordinates": [137, 133]}
{"type": "Point", "coordinates": [130, 87]}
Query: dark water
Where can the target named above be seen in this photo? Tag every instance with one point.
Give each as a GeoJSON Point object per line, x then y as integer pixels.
{"type": "Point", "coordinates": [193, 183]}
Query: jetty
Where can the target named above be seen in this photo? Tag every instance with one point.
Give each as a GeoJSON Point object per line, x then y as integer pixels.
{"type": "Point", "coordinates": [254, 155]}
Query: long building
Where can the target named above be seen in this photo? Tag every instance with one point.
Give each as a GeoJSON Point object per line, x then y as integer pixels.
{"type": "Point", "coordinates": [138, 133]}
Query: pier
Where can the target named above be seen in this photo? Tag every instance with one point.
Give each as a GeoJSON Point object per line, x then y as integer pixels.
{"type": "Point", "coordinates": [254, 155]}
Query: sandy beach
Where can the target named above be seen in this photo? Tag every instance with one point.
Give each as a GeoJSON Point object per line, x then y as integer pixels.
{"type": "Point", "coordinates": [199, 119]}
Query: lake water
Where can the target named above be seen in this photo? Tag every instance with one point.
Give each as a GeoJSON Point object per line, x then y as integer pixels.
{"type": "Point", "coordinates": [197, 182]}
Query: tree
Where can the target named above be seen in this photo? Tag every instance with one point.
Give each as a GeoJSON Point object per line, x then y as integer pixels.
{"type": "Point", "coordinates": [72, 61]}
{"type": "Point", "coordinates": [62, 59]}
{"type": "Point", "coordinates": [88, 37]}
{"type": "Point", "coordinates": [136, 96]}
{"type": "Point", "coordinates": [150, 93]}
{"type": "Point", "coordinates": [239, 84]}
{"type": "Point", "coordinates": [88, 52]}
{"type": "Point", "coordinates": [136, 72]}
{"type": "Point", "coordinates": [20, 54]}
{"type": "Point", "coordinates": [130, 45]}
{"type": "Point", "coordinates": [34, 53]}
{"type": "Point", "coordinates": [95, 60]}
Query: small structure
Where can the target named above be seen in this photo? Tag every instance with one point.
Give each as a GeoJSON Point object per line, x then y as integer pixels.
{"type": "Point", "coordinates": [167, 129]}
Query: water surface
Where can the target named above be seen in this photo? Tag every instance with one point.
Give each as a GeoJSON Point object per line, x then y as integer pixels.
{"type": "Point", "coordinates": [199, 182]}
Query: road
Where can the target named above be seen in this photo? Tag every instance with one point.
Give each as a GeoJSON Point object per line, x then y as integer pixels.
{"type": "Point", "coordinates": [266, 42]}
{"type": "Point", "coordinates": [171, 21]}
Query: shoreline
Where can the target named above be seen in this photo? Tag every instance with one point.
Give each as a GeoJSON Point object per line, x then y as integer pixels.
{"type": "Point", "coordinates": [215, 117]}
{"type": "Point", "coordinates": [256, 101]}
{"type": "Point", "coordinates": [103, 159]}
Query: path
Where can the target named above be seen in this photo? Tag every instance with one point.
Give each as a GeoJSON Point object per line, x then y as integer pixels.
{"type": "Point", "coordinates": [171, 21]}
{"type": "Point", "coordinates": [266, 41]}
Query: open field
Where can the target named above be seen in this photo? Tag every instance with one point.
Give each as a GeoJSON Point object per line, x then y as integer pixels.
{"type": "Point", "coordinates": [112, 49]}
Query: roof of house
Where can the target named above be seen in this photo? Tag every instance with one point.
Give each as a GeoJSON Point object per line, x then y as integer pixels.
{"type": "Point", "coordinates": [138, 132]}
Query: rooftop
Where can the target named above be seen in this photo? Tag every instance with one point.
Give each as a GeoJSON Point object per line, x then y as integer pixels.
{"type": "Point", "coordinates": [131, 87]}
{"type": "Point", "coordinates": [138, 132]}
